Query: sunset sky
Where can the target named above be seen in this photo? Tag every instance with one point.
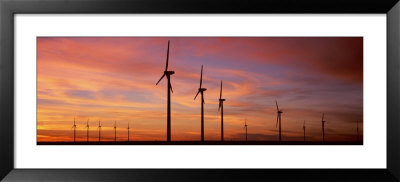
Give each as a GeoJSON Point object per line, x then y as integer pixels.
{"type": "Point", "coordinates": [113, 79]}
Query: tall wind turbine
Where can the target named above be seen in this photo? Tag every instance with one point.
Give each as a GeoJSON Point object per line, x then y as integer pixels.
{"type": "Point", "coordinates": [128, 131]}
{"type": "Point", "coordinates": [221, 107]}
{"type": "Point", "coordinates": [169, 90]}
{"type": "Point", "coordinates": [245, 127]}
{"type": "Point", "coordinates": [99, 127]}
{"type": "Point", "coordinates": [74, 127]}
{"type": "Point", "coordinates": [87, 130]}
{"type": "Point", "coordinates": [304, 130]}
{"type": "Point", "coordinates": [279, 120]}
{"type": "Point", "coordinates": [115, 131]}
{"type": "Point", "coordinates": [201, 90]}
{"type": "Point", "coordinates": [323, 128]}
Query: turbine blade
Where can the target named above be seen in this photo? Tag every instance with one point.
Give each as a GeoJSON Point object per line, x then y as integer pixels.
{"type": "Point", "coordinates": [196, 95]}
{"type": "Point", "coordinates": [277, 117]}
{"type": "Point", "coordinates": [277, 108]}
{"type": "Point", "coordinates": [202, 99]}
{"type": "Point", "coordinates": [220, 93]}
{"type": "Point", "coordinates": [201, 76]}
{"type": "Point", "coordinates": [160, 79]}
{"type": "Point", "coordinates": [219, 107]}
{"type": "Point", "coordinates": [166, 66]}
{"type": "Point", "coordinates": [170, 86]}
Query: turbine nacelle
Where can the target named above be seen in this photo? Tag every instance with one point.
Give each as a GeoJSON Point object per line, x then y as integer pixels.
{"type": "Point", "coordinates": [202, 89]}
{"type": "Point", "coordinates": [222, 100]}
{"type": "Point", "coordinates": [169, 72]}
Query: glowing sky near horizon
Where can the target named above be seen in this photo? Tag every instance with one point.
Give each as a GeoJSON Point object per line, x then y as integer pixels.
{"type": "Point", "coordinates": [113, 79]}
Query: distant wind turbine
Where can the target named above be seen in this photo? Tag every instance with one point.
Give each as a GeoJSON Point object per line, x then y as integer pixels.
{"type": "Point", "coordinates": [245, 127]}
{"type": "Point", "coordinates": [221, 107]}
{"type": "Point", "coordinates": [279, 120]}
{"type": "Point", "coordinates": [201, 90]}
{"type": "Point", "coordinates": [87, 130]}
{"type": "Point", "coordinates": [115, 131]}
{"type": "Point", "coordinates": [99, 127]}
{"type": "Point", "coordinates": [133, 132]}
{"type": "Point", "coordinates": [304, 130]}
{"type": "Point", "coordinates": [74, 127]}
{"type": "Point", "coordinates": [128, 131]}
{"type": "Point", "coordinates": [169, 90]}
{"type": "Point", "coordinates": [323, 128]}
{"type": "Point", "coordinates": [357, 132]}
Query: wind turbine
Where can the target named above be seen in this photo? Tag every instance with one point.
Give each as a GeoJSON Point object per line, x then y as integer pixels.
{"type": "Point", "coordinates": [279, 119]}
{"type": "Point", "coordinates": [87, 130]}
{"type": "Point", "coordinates": [133, 132]}
{"type": "Point", "coordinates": [221, 107]}
{"type": "Point", "coordinates": [304, 130]}
{"type": "Point", "coordinates": [357, 132]}
{"type": "Point", "coordinates": [323, 128]}
{"type": "Point", "coordinates": [201, 90]}
{"type": "Point", "coordinates": [128, 131]}
{"type": "Point", "coordinates": [245, 127]}
{"type": "Point", "coordinates": [168, 74]}
{"type": "Point", "coordinates": [99, 127]}
{"type": "Point", "coordinates": [74, 127]}
{"type": "Point", "coordinates": [115, 131]}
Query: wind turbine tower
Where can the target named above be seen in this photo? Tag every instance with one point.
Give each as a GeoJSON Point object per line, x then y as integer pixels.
{"type": "Point", "coordinates": [245, 127]}
{"type": "Point", "coordinates": [115, 131]}
{"type": "Point", "coordinates": [74, 126]}
{"type": "Point", "coordinates": [304, 130]}
{"type": "Point", "coordinates": [87, 130]}
{"type": "Point", "coordinates": [279, 120]}
{"type": "Point", "coordinates": [357, 132]}
{"type": "Point", "coordinates": [221, 107]}
{"type": "Point", "coordinates": [128, 131]}
{"type": "Point", "coordinates": [169, 90]}
{"type": "Point", "coordinates": [99, 127]}
{"type": "Point", "coordinates": [201, 90]}
{"type": "Point", "coordinates": [323, 128]}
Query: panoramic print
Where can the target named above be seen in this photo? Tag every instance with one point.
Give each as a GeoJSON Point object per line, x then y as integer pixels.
{"type": "Point", "coordinates": [199, 90]}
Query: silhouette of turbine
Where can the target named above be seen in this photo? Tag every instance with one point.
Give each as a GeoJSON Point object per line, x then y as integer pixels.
{"type": "Point", "coordinates": [169, 90]}
{"type": "Point", "coordinates": [99, 127]}
{"type": "Point", "coordinates": [74, 127]}
{"type": "Point", "coordinates": [115, 131]}
{"type": "Point", "coordinates": [279, 120]}
{"type": "Point", "coordinates": [357, 132]}
{"type": "Point", "coordinates": [245, 127]}
{"type": "Point", "coordinates": [304, 130]}
{"type": "Point", "coordinates": [323, 128]}
{"type": "Point", "coordinates": [128, 131]}
{"type": "Point", "coordinates": [87, 130]}
{"type": "Point", "coordinates": [201, 90]}
{"type": "Point", "coordinates": [133, 132]}
{"type": "Point", "coordinates": [221, 107]}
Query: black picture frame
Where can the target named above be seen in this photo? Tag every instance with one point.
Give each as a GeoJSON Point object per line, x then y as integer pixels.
{"type": "Point", "coordinates": [8, 8]}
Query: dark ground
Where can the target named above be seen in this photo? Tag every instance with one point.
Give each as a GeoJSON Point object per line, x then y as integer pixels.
{"type": "Point", "coordinates": [204, 143]}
